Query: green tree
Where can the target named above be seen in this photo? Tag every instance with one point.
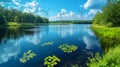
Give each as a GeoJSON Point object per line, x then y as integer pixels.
{"type": "Point", "coordinates": [16, 19]}
{"type": "Point", "coordinates": [14, 15]}
{"type": "Point", "coordinates": [110, 15]}
{"type": "Point", "coordinates": [45, 20]}
{"type": "Point", "coordinates": [2, 20]}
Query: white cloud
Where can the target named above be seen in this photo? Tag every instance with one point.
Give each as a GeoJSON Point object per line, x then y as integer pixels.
{"type": "Point", "coordinates": [94, 11]}
{"type": "Point", "coordinates": [16, 2]}
{"type": "Point", "coordinates": [69, 15]}
{"type": "Point", "coordinates": [72, 13]}
{"type": "Point", "coordinates": [63, 11]}
{"type": "Point", "coordinates": [94, 4]}
{"type": "Point", "coordinates": [8, 50]}
{"type": "Point", "coordinates": [32, 7]}
{"type": "Point", "coordinates": [90, 42]}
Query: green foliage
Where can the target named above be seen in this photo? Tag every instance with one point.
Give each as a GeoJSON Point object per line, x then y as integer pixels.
{"type": "Point", "coordinates": [97, 18]}
{"type": "Point", "coordinates": [107, 32]}
{"type": "Point", "coordinates": [13, 24]}
{"type": "Point", "coordinates": [47, 44]}
{"type": "Point", "coordinates": [2, 20]}
{"type": "Point", "coordinates": [109, 24]}
{"type": "Point", "coordinates": [71, 22]}
{"type": "Point", "coordinates": [45, 20]}
{"type": "Point", "coordinates": [51, 61]}
{"type": "Point", "coordinates": [110, 15]}
{"type": "Point", "coordinates": [27, 56]}
{"type": "Point", "coordinates": [16, 19]}
{"type": "Point", "coordinates": [14, 15]}
{"type": "Point", "coordinates": [109, 36]}
{"type": "Point", "coordinates": [111, 59]}
{"type": "Point", "coordinates": [76, 65]}
{"type": "Point", "coordinates": [68, 48]}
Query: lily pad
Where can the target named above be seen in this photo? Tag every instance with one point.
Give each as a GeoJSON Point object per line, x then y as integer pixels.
{"type": "Point", "coordinates": [27, 56]}
{"type": "Point", "coordinates": [68, 48]}
{"type": "Point", "coordinates": [51, 61]}
{"type": "Point", "coordinates": [47, 44]}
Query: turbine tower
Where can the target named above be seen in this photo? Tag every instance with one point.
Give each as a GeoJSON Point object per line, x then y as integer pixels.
{"type": "Point", "coordinates": [46, 12]}
{"type": "Point", "coordinates": [80, 13]}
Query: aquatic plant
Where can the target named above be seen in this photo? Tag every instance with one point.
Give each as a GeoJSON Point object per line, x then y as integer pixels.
{"type": "Point", "coordinates": [27, 56]}
{"type": "Point", "coordinates": [47, 44]}
{"type": "Point", "coordinates": [51, 61]}
{"type": "Point", "coordinates": [76, 65]}
{"type": "Point", "coordinates": [68, 48]}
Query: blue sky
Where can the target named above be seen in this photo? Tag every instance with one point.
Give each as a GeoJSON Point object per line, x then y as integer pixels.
{"type": "Point", "coordinates": [58, 9]}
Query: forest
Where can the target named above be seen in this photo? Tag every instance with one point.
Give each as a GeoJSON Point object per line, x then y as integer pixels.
{"type": "Point", "coordinates": [106, 26]}
{"type": "Point", "coordinates": [110, 15]}
{"type": "Point", "coordinates": [14, 15]}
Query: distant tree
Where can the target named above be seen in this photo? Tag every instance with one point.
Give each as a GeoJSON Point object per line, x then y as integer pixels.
{"type": "Point", "coordinates": [2, 20]}
{"type": "Point", "coordinates": [14, 15]}
{"type": "Point", "coordinates": [16, 19]}
{"type": "Point", "coordinates": [45, 20]}
{"type": "Point", "coordinates": [38, 19]}
{"type": "Point", "coordinates": [97, 18]}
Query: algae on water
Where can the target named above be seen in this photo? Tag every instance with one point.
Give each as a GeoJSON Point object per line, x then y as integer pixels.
{"type": "Point", "coordinates": [27, 56]}
{"type": "Point", "coordinates": [51, 61]}
{"type": "Point", "coordinates": [68, 48]}
{"type": "Point", "coordinates": [47, 44]}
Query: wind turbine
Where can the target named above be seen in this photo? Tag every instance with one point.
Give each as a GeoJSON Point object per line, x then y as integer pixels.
{"type": "Point", "coordinates": [72, 14]}
{"type": "Point", "coordinates": [46, 12]}
{"type": "Point", "coordinates": [59, 16]}
{"type": "Point", "coordinates": [80, 13]}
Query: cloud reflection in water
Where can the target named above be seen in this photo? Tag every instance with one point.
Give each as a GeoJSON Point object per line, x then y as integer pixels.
{"type": "Point", "coordinates": [9, 50]}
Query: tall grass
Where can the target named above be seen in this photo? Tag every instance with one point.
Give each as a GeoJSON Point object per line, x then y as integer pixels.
{"type": "Point", "coordinates": [109, 36]}
{"type": "Point", "coordinates": [110, 59]}
{"type": "Point", "coordinates": [107, 32]}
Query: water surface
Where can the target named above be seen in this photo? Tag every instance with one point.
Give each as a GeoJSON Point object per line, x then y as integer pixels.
{"type": "Point", "coordinates": [15, 41]}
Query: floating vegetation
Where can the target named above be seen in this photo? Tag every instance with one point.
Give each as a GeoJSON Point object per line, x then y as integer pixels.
{"type": "Point", "coordinates": [51, 61]}
{"type": "Point", "coordinates": [47, 44]}
{"type": "Point", "coordinates": [76, 65]}
{"type": "Point", "coordinates": [27, 56]}
{"type": "Point", "coordinates": [68, 48]}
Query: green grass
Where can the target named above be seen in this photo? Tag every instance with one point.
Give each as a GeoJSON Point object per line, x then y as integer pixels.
{"type": "Point", "coordinates": [107, 32]}
{"type": "Point", "coordinates": [111, 57]}
{"type": "Point", "coordinates": [13, 24]}
{"type": "Point", "coordinates": [109, 36]}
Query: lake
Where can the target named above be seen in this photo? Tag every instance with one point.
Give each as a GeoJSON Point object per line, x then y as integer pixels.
{"type": "Point", "coordinates": [14, 42]}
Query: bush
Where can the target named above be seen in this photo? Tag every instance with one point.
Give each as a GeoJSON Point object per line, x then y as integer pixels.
{"type": "Point", "coordinates": [109, 24]}
{"type": "Point", "coordinates": [111, 59]}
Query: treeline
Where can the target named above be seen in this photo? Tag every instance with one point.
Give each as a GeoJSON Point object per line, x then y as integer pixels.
{"type": "Point", "coordinates": [14, 15]}
{"type": "Point", "coordinates": [110, 15]}
{"type": "Point", "coordinates": [73, 21]}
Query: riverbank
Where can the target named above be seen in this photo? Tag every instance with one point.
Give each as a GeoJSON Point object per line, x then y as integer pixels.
{"type": "Point", "coordinates": [15, 24]}
{"type": "Point", "coordinates": [107, 32]}
{"type": "Point", "coordinates": [22, 24]}
{"type": "Point", "coordinates": [110, 42]}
